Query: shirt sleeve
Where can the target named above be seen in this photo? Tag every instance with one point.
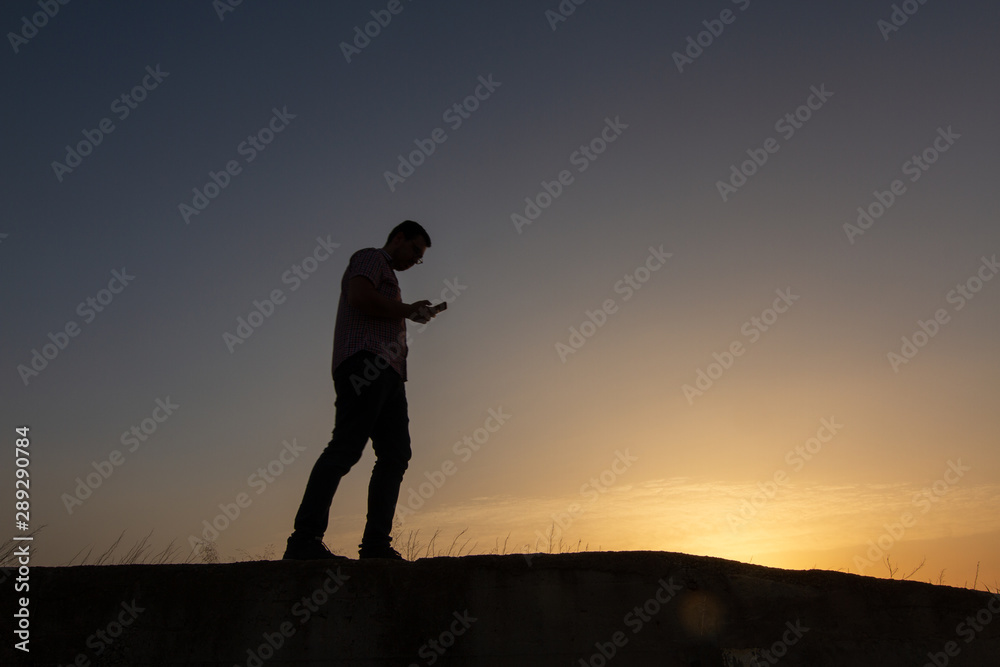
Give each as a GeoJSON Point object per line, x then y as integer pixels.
{"type": "Point", "coordinates": [366, 263]}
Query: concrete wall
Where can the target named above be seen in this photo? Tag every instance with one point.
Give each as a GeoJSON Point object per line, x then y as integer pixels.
{"type": "Point", "coordinates": [629, 608]}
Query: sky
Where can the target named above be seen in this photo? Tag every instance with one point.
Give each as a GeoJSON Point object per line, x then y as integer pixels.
{"type": "Point", "coordinates": [720, 274]}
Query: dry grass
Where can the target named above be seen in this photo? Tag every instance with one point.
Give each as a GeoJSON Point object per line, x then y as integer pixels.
{"type": "Point", "coordinates": [246, 556]}
{"type": "Point", "coordinates": [141, 552]}
{"type": "Point", "coordinates": [894, 568]}
{"type": "Point", "coordinates": [558, 547]}
{"type": "Point", "coordinates": [410, 545]}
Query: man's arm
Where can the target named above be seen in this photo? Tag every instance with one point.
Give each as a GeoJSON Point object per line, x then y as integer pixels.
{"type": "Point", "coordinates": [361, 294]}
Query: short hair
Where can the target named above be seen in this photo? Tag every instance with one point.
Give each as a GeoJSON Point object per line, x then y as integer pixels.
{"type": "Point", "coordinates": [411, 230]}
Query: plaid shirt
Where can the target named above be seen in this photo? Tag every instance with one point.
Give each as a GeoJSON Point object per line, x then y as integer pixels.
{"type": "Point", "coordinates": [355, 331]}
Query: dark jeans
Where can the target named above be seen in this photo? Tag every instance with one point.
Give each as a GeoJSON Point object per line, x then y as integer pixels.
{"type": "Point", "coordinates": [375, 410]}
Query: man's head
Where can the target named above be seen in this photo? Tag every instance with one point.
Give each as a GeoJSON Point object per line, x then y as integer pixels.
{"type": "Point", "coordinates": [406, 244]}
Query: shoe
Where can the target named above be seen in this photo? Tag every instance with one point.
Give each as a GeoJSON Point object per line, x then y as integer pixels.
{"type": "Point", "coordinates": [385, 552]}
{"type": "Point", "coordinates": [308, 548]}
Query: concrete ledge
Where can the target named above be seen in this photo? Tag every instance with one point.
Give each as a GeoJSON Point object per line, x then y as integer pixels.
{"type": "Point", "coordinates": [625, 608]}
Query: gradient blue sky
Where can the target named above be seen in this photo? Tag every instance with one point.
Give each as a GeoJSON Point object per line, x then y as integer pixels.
{"type": "Point", "coordinates": [696, 460]}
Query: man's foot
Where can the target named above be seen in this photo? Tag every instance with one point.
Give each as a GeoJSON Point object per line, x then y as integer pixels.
{"type": "Point", "coordinates": [308, 548]}
{"type": "Point", "coordinates": [386, 552]}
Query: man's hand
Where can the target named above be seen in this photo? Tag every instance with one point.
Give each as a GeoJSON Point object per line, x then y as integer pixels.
{"type": "Point", "coordinates": [421, 312]}
{"type": "Point", "coordinates": [361, 294]}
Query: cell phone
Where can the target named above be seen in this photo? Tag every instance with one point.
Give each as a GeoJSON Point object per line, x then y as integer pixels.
{"type": "Point", "coordinates": [439, 307]}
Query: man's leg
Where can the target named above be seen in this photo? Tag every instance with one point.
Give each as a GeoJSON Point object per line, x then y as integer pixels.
{"type": "Point", "coordinates": [357, 412]}
{"type": "Point", "coordinates": [391, 442]}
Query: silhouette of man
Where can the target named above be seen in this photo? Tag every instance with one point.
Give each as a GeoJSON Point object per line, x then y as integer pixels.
{"type": "Point", "coordinates": [369, 369]}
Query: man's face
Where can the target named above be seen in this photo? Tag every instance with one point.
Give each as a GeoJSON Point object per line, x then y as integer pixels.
{"type": "Point", "coordinates": [408, 252]}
